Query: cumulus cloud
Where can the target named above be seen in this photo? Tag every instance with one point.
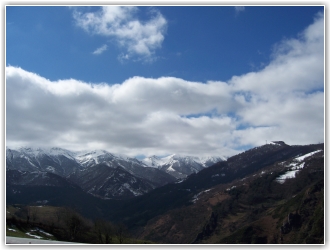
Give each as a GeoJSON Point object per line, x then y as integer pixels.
{"type": "Point", "coordinates": [297, 65]}
{"type": "Point", "coordinates": [141, 115]}
{"type": "Point", "coordinates": [283, 101]}
{"type": "Point", "coordinates": [100, 50]}
{"type": "Point", "coordinates": [137, 38]}
{"type": "Point", "coordinates": [286, 98]}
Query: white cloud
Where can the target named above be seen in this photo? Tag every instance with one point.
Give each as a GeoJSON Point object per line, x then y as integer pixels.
{"type": "Point", "coordinates": [292, 59]}
{"type": "Point", "coordinates": [100, 50]}
{"type": "Point", "coordinates": [138, 116]}
{"type": "Point", "coordinates": [137, 38]}
{"type": "Point", "coordinates": [283, 101]}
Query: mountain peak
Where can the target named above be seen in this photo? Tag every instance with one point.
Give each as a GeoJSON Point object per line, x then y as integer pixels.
{"type": "Point", "coordinates": [280, 143]}
{"type": "Point", "coordinates": [180, 166]}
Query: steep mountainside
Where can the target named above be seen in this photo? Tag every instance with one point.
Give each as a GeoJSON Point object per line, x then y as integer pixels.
{"type": "Point", "coordinates": [107, 182]}
{"type": "Point", "coordinates": [18, 177]}
{"type": "Point", "coordinates": [182, 193]}
{"type": "Point", "coordinates": [270, 206]}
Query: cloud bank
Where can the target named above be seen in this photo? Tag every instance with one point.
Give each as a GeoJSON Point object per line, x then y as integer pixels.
{"type": "Point", "coordinates": [137, 38]}
{"type": "Point", "coordinates": [283, 101]}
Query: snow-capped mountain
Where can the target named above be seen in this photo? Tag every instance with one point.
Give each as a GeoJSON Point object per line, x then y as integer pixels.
{"type": "Point", "coordinates": [90, 158]}
{"type": "Point", "coordinates": [92, 170]}
{"type": "Point", "coordinates": [133, 166]}
{"type": "Point", "coordinates": [181, 166]}
{"type": "Point", "coordinates": [76, 165]}
{"type": "Point", "coordinates": [64, 162]}
{"type": "Point", "coordinates": [154, 161]}
{"type": "Point", "coordinates": [53, 160]}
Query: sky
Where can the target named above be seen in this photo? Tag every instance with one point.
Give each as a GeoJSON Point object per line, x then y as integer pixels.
{"type": "Point", "coordinates": [159, 80]}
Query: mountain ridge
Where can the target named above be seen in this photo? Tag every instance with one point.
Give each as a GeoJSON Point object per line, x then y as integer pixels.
{"type": "Point", "coordinates": [73, 165]}
{"type": "Point", "coordinates": [87, 158]}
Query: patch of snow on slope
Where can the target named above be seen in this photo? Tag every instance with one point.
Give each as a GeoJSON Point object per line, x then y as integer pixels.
{"type": "Point", "coordinates": [50, 169]}
{"type": "Point", "coordinates": [28, 159]}
{"type": "Point", "coordinates": [301, 158]}
{"type": "Point", "coordinates": [132, 190]}
{"type": "Point", "coordinates": [44, 232]}
{"type": "Point", "coordinates": [228, 189]}
{"type": "Point", "coordinates": [195, 198]}
{"type": "Point", "coordinates": [35, 236]}
{"type": "Point", "coordinates": [171, 169]}
{"type": "Point", "coordinates": [288, 175]}
{"type": "Point", "coordinates": [299, 166]}
{"type": "Point", "coordinates": [294, 167]}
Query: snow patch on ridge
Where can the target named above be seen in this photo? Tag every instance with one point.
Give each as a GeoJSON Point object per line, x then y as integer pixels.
{"type": "Point", "coordinates": [294, 167]}
{"type": "Point", "coordinates": [301, 158]}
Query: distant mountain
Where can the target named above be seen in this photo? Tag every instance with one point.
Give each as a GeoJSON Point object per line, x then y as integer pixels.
{"type": "Point", "coordinates": [76, 165]}
{"type": "Point", "coordinates": [54, 160]}
{"type": "Point", "coordinates": [110, 182]}
{"type": "Point", "coordinates": [181, 166]}
{"type": "Point", "coordinates": [135, 167]}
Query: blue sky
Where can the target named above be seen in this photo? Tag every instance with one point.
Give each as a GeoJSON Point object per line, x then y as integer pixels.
{"type": "Point", "coordinates": [200, 43]}
{"type": "Point", "coordinates": [164, 79]}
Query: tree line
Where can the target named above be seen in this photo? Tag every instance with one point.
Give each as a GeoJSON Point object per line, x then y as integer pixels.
{"type": "Point", "coordinates": [66, 224]}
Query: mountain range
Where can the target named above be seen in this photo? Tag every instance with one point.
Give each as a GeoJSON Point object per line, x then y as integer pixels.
{"type": "Point", "coordinates": [270, 194]}
{"type": "Point", "coordinates": [104, 174]}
